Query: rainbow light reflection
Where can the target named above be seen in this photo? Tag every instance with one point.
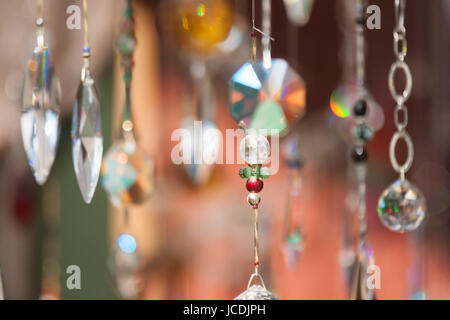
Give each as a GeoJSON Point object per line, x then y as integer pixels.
{"type": "Point", "coordinates": [338, 105]}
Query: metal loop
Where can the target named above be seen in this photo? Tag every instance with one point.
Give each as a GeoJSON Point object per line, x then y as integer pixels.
{"type": "Point", "coordinates": [402, 169]}
{"type": "Point", "coordinates": [252, 277]}
{"type": "Point", "coordinates": [403, 97]}
{"type": "Point", "coordinates": [400, 44]}
{"type": "Point", "coordinates": [401, 125]}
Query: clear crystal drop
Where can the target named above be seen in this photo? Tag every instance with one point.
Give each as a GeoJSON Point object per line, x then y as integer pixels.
{"type": "Point", "coordinates": [298, 11]}
{"type": "Point", "coordinates": [87, 137]}
{"type": "Point", "coordinates": [401, 207]}
{"type": "Point", "coordinates": [40, 114]}
{"type": "Point", "coordinates": [254, 149]}
{"type": "Point", "coordinates": [127, 174]}
{"type": "Point", "coordinates": [256, 292]}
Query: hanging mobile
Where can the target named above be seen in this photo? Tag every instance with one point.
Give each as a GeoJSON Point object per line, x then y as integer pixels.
{"type": "Point", "coordinates": [401, 206]}
{"type": "Point", "coordinates": [87, 135]}
{"type": "Point", "coordinates": [266, 96]}
{"type": "Point", "coordinates": [127, 172]}
{"type": "Point", "coordinates": [362, 133]}
{"type": "Point", "coordinates": [41, 95]}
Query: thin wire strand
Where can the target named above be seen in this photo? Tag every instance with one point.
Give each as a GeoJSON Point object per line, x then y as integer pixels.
{"type": "Point", "coordinates": [256, 241]}
{"type": "Point", "coordinates": [253, 32]}
{"type": "Point", "coordinates": [85, 23]}
{"type": "Point", "coordinates": [39, 10]}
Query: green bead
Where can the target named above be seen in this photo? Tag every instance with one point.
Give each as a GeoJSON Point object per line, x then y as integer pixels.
{"type": "Point", "coordinates": [264, 173]}
{"type": "Point", "coordinates": [127, 76]}
{"type": "Point", "coordinates": [245, 172]}
{"type": "Point", "coordinates": [255, 171]}
{"type": "Point", "coordinates": [363, 132]}
{"type": "Point", "coordinates": [128, 11]}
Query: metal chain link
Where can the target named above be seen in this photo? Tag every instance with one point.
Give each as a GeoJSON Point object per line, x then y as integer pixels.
{"type": "Point", "coordinates": [400, 50]}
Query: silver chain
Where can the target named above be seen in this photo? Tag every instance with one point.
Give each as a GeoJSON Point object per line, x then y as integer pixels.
{"type": "Point", "coordinates": [400, 112]}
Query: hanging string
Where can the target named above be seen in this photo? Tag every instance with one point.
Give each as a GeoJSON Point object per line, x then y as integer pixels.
{"type": "Point", "coordinates": [127, 63]}
{"type": "Point", "coordinates": [266, 15]}
{"type": "Point", "coordinates": [253, 32]}
{"type": "Point", "coordinates": [39, 18]}
{"type": "Point", "coordinates": [40, 24]}
{"type": "Point", "coordinates": [256, 241]}
{"type": "Point", "coordinates": [85, 24]}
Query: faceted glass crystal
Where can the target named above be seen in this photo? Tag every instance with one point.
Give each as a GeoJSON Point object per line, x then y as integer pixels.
{"type": "Point", "coordinates": [256, 292]}
{"type": "Point", "coordinates": [270, 99]}
{"type": "Point", "coordinates": [127, 174]}
{"type": "Point", "coordinates": [254, 149]}
{"type": "Point", "coordinates": [401, 207]}
{"type": "Point", "coordinates": [40, 114]}
{"type": "Point", "coordinates": [87, 137]}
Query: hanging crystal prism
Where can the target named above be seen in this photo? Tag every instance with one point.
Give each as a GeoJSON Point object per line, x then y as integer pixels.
{"type": "Point", "coordinates": [200, 146]}
{"type": "Point", "coordinates": [401, 206]}
{"type": "Point", "coordinates": [125, 263]}
{"type": "Point", "coordinates": [294, 242]}
{"type": "Point", "coordinates": [127, 172]}
{"type": "Point", "coordinates": [360, 289]}
{"type": "Point", "coordinates": [271, 99]}
{"type": "Point", "coordinates": [87, 135]}
{"type": "Point", "coordinates": [40, 111]}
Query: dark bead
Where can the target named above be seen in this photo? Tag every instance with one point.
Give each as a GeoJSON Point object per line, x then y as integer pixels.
{"type": "Point", "coordinates": [360, 108]}
{"type": "Point", "coordinates": [361, 21]}
{"type": "Point", "coordinates": [359, 154]}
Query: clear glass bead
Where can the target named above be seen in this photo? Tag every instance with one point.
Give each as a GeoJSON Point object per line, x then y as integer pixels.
{"type": "Point", "coordinates": [87, 149]}
{"type": "Point", "coordinates": [401, 207]}
{"type": "Point", "coordinates": [256, 292]}
{"type": "Point", "coordinates": [40, 114]}
{"type": "Point", "coordinates": [254, 149]}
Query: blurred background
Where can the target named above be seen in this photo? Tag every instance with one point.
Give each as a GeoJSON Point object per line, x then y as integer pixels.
{"type": "Point", "coordinates": [194, 236]}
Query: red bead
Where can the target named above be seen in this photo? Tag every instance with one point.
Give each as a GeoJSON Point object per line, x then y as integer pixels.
{"type": "Point", "coordinates": [255, 207]}
{"type": "Point", "coordinates": [256, 263]}
{"type": "Point", "coordinates": [254, 184]}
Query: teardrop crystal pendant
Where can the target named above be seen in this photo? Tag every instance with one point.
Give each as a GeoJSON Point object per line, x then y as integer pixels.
{"type": "Point", "coordinates": [360, 290]}
{"type": "Point", "coordinates": [40, 113]}
{"type": "Point", "coordinates": [298, 11]}
{"type": "Point", "coordinates": [127, 174]}
{"type": "Point", "coordinates": [87, 136]}
{"type": "Point", "coordinates": [401, 207]}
